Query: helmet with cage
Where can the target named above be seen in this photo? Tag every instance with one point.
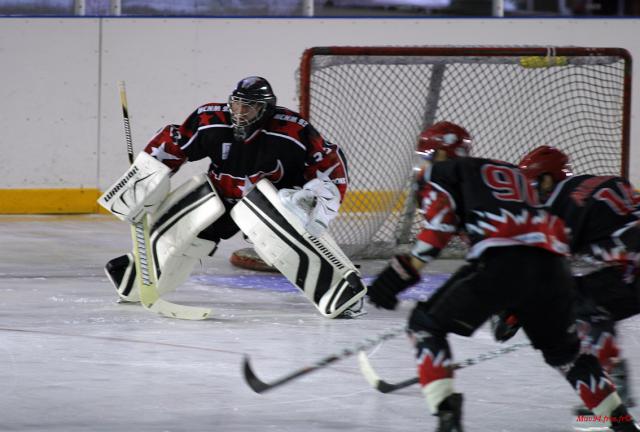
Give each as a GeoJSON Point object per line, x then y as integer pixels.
{"type": "Point", "coordinates": [447, 137]}
{"type": "Point", "coordinates": [251, 104]}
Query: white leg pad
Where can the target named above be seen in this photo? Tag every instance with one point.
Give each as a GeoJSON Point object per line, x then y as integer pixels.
{"type": "Point", "coordinates": [316, 265]}
{"type": "Point", "coordinates": [186, 211]}
{"type": "Point", "coordinates": [192, 207]}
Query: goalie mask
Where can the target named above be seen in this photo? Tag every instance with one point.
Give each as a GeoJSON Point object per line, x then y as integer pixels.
{"type": "Point", "coordinates": [452, 139]}
{"type": "Point", "coordinates": [251, 104]}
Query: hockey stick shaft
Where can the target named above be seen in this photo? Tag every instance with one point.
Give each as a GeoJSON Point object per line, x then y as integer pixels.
{"type": "Point", "coordinates": [385, 387]}
{"type": "Point", "coordinates": [125, 119]}
{"type": "Point", "coordinates": [146, 276]}
{"type": "Point", "coordinates": [260, 386]}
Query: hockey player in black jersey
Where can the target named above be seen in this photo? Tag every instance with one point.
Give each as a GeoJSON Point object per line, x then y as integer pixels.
{"type": "Point", "coordinates": [511, 240]}
{"type": "Point", "coordinates": [603, 216]}
{"type": "Point", "coordinates": [247, 139]}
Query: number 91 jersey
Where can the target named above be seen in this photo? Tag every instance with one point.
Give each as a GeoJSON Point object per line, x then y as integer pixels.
{"type": "Point", "coordinates": [488, 200]}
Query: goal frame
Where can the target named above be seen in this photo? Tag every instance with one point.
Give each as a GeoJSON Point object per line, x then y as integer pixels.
{"type": "Point", "coordinates": [474, 51]}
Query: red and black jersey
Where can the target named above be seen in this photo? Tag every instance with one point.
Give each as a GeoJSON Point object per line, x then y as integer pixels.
{"type": "Point", "coordinates": [288, 151]}
{"type": "Point", "coordinates": [490, 202]}
{"type": "Point", "coordinates": [597, 210]}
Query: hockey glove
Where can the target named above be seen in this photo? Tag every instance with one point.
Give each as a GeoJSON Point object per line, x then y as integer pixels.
{"type": "Point", "coordinates": [399, 275]}
{"type": "Point", "coordinates": [316, 204]}
{"type": "Point", "coordinates": [504, 325]}
{"type": "Point", "coordinates": [326, 205]}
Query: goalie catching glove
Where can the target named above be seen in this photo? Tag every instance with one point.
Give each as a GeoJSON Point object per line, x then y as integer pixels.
{"type": "Point", "coordinates": [139, 190]}
{"type": "Point", "coordinates": [316, 204]}
{"type": "Point", "coordinates": [399, 275]}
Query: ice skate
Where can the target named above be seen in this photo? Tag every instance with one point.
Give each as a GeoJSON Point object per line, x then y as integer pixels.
{"type": "Point", "coordinates": [355, 311]}
{"type": "Point", "coordinates": [450, 414]}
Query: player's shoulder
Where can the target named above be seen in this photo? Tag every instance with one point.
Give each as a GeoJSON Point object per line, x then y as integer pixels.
{"type": "Point", "coordinates": [475, 163]}
{"type": "Point", "coordinates": [212, 113]}
{"type": "Point", "coordinates": [580, 188]}
{"type": "Point", "coordinates": [590, 182]}
{"type": "Point", "coordinates": [287, 121]}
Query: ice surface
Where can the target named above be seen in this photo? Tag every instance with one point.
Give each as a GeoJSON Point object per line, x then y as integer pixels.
{"type": "Point", "coordinates": [72, 359]}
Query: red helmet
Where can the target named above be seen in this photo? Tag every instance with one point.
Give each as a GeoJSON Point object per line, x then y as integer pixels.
{"type": "Point", "coordinates": [546, 160]}
{"type": "Point", "coordinates": [447, 136]}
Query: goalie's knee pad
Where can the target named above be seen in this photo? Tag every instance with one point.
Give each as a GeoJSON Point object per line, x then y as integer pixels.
{"type": "Point", "coordinates": [175, 245]}
{"type": "Point", "coordinates": [315, 265]}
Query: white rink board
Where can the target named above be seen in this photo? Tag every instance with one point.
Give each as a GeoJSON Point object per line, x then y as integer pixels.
{"type": "Point", "coordinates": [49, 102]}
{"type": "Point", "coordinates": [173, 65]}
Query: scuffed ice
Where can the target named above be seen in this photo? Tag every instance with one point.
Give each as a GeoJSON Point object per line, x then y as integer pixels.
{"type": "Point", "coordinates": [73, 360]}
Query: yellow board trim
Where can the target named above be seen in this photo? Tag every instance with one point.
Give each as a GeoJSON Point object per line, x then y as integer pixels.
{"type": "Point", "coordinates": [371, 201]}
{"type": "Point", "coordinates": [49, 201]}
{"type": "Point", "coordinates": [78, 201]}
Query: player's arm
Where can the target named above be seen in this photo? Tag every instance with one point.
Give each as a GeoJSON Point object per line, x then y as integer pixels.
{"type": "Point", "coordinates": [176, 144]}
{"type": "Point", "coordinates": [438, 227]}
{"type": "Point", "coordinates": [165, 147]}
{"type": "Point", "coordinates": [325, 161]}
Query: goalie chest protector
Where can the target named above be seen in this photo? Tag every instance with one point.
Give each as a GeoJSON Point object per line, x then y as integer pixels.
{"type": "Point", "coordinates": [316, 265]}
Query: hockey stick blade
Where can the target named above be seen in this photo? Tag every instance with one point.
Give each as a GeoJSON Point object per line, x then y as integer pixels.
{"type": "Point", "coordinates": [252, 380]}
{"type": "Point", "coordinates": [374, 380]}
{"type": "Point", "coordinates": [260, 386]}
{"type": "Point", "coordinates": [386, 387]}
{"type": "Point", "coordinates": [173, 310]}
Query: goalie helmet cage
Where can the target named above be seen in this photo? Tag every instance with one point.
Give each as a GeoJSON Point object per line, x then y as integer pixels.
{"type": "Point", "coordinates": [374, 101]}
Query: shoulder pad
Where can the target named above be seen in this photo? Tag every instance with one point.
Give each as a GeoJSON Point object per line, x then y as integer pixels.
{"type": "Point", "coordinates": [284, 116]}
{"type": "Point", "coordinates": [212, 107]}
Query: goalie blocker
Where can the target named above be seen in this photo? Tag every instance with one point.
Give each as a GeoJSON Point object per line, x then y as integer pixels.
{"type": "Point", "coordinates": [315, 265]}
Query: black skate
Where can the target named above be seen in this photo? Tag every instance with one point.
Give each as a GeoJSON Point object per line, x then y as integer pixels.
{"type": "Point", "coordinates": [121, 271]}
{"type": "Point", "coordinates": [621, 421]}
{"type": "Point", "coordinates": [355, 310]}
{"type": "Point", "coordinates": [450, 414]}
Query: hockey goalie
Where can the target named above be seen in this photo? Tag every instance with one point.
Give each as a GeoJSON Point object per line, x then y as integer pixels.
{"type": "Point", "coordinates": [272, 175]}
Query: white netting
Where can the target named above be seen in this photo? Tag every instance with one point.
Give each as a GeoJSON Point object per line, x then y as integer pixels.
{"type": "Point", "coordinates": [374, 106]}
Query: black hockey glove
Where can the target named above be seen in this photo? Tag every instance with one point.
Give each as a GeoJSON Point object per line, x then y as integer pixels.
{"type": "Point", "coordinates": [504, 325]}
{"type": "Point", "coordinates": [398, 276]}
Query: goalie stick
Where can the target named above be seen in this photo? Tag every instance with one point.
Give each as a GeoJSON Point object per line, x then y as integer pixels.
{"type": "Point", "coordinates": [259, 386]}
{"type": "Point", "coordinates": [385, 387]}
{"type": "Point", "coordinates": [145, 274]}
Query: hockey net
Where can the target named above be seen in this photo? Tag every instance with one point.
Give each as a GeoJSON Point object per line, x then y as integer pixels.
{"type": "Point", "coordinates": [374, 101]}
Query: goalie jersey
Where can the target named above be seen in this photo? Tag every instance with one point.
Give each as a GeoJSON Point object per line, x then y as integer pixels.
{"type": "Point", "coordinates": [488, 201]}
{"type": "Point", "coordinates": [597, 210]}
{"type": "Point", "coordinates": [288, 151]}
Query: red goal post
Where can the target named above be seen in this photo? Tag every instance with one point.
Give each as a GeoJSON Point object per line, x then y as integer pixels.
{"type": "Point", "coordinates": [374, 101]}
